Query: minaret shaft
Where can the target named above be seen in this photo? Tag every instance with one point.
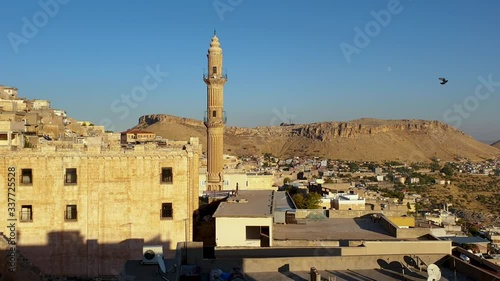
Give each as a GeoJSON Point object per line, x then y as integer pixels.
{"type": "Point", "coordinates": [215, 119]}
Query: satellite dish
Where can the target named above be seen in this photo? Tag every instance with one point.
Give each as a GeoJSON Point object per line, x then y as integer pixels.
{"type": "Point", "coordinates": [434, 273]}
{"type": "Point", "coordinates": [161, 263]}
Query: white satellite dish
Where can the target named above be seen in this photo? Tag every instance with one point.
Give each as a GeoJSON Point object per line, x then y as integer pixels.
{"type": "Point", "coordinates": [434, 273]}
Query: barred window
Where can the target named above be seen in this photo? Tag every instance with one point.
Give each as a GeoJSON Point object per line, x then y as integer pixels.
{"type": "Point", "coordinates": [70, 176]}
{"type": "Point", "coordinates": [166, 175]}
{"type": "Point", "coordinates": [70, 214]}
{"type": "Point", "coordinates": [166, 211]}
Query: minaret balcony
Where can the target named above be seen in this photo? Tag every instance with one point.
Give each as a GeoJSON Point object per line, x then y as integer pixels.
{"type": "Point", "coordinates": [210, 78]}
{"type": "Point", "coordinates": [209, 120]}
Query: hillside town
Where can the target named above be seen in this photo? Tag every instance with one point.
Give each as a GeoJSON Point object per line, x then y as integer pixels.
{"type": "Point", "coordinates": [133, 205]}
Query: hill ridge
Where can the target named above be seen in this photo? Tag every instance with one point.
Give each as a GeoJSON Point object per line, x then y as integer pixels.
{"type": "Point", "coordinates": [367, 139]}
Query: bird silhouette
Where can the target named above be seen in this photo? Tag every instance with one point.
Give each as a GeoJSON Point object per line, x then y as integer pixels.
{"type": "Point", "coordinates": [443, 81]}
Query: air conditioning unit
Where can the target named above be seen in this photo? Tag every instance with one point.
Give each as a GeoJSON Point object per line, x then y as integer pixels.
{"type": "Point", "coordinates": [152, 254]}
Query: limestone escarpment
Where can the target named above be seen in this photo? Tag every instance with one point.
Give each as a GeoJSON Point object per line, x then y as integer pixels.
{"type": "Point", "coordinates": [496, 144]}
{"type": "Point", "coordinates": [362, 139]}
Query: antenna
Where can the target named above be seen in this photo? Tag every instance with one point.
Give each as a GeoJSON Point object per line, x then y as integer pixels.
{"type": "Point", "coordinates": [434, 273]}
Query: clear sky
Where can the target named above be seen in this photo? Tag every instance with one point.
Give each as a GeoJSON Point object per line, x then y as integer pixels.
{"type": "Point", "coordinates": [288, 60]}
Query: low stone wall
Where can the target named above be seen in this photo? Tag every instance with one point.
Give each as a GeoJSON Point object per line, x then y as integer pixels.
{"type": "Point", "coordinates": [304, 243]}
{"type": "Point", "coordinates": [403, 233]}
{"type": "Point", "coordinates": [306, 213]}
{"type": "Point", "coordinates": [350, 214]}
{"type": "Point", "coordinates": [469, 270]}
{"type": "Point", "coordinates": [288, 264]}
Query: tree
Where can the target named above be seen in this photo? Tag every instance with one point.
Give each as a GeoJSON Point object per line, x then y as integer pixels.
{"type": "Point", "coordinates": [353, 167]}
{"type": "Point", "coordinates": [434, 166]}
{"type": "Point", "coordinates": [287, 181]}
{"type": "Point", "coordinates": [390, 177]}
{"type": "Point", "coordinates": [448, 170]}
{"type": "Point", "coordinates": [313, 200]}
{"type": "Point", "coordinates": [299, 200]}
{"type": "Point", "coordinates": [310, 201]}
{"type": "Point", "coordinates": [292, 190]}
{"type": "Point", "coordinates": [372, 166]}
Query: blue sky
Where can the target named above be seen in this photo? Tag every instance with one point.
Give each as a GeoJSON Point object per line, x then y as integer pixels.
{"type": "Point", "coordinates": [283, 58]}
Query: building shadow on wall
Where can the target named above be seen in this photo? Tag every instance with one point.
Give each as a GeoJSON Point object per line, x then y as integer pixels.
{"type": "Point", "coordinates": [68, 254]}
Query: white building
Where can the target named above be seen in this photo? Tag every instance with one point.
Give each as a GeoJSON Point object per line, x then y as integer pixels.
{"type": "Point", "coordinates": [59, 112]}
{"type": "Point", "coordinates": [348, 201]}
{"type": "Point", "coordinates": [245, 220]}
{"type": "Point", "coordinates": [239, 179]}
{"type": "Point", "coordinates": [41, 104]}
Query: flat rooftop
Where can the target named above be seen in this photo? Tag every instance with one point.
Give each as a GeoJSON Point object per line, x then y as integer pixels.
{"type": "Point", "coordinates": [356, 275]}
{"type": "Point", "coordinates": [332, 229]}
{"type": "Point", "coordinates": [282, 201]}
{"type": "Point", "coordinates": [247, 203]}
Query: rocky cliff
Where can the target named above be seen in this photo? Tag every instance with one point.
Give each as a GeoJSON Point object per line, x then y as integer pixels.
{"type": "Point", "coordinates": [496, 144]}
{"type": "Point", "coordinates": [362, 139]}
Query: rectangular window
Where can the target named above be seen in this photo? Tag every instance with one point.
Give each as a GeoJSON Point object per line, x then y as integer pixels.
{"type": "Point", "coordinates": [26, 176]}
{"type": "Point", "coordinates": [253, 232]}
{"type": "Point", "coordinates": [70, 213]}
{"type": "Point", "coordinates": [166, 175]}
{"type": "Point", "coordinates": [166, 211]}
{"type": "Point", "coordinates": [26, 213]}
{"type": "Point", "coordinates": [70, 176]}
{"type": "Point", "coordinates": [214, 113]}
{"type": "Point", "coordinates": [214, 69]}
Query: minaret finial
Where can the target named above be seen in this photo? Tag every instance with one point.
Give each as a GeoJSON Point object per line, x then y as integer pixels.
{"type": "Point", "coordinates": [215, 33]}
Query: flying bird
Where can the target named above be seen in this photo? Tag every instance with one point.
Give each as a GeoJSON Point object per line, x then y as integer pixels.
{"type": "Point", "coordinates": [443, 81]}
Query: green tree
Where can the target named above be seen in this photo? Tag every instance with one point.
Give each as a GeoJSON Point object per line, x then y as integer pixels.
{"type": "Point", "coordinates": [292, 190]}
{"type": "Point", "coordinates": [313, 200]}
{"type": "Point", "coordinates": [299, 200]}
{"type": "Point", "coordinates": [434, 166]}
{"type": "Point", "coordinates": [353, 167]}
{"type": "Point", "coordinates": [310, 201]}
{"type": "Point", "coordinates": [287, 181]}
{"type": "Point", "coordinates": [448, 170]}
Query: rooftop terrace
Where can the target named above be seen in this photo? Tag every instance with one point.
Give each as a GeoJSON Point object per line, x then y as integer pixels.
{"type": "Point", "coordinates": [247, 203]}
{"type": "Point", "coordinates": [333, 229]}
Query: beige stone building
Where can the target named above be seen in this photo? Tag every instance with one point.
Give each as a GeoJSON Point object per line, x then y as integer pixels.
{"type": "Point", "coordinates": [240, 179]}
{"type": "Point", "coordinates": [137, 136]}
{"type": "Point", "coordinates": [7, 92]}
{"type": "Point", "coordinates": [85, 211]}
{"type": "Point", "coordinates": [11, 134]}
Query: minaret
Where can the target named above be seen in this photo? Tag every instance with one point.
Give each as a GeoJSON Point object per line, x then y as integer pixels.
{"type": "Point", "coordinates": [215, 118]}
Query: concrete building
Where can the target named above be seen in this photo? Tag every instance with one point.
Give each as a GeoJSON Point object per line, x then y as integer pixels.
{"type": "Point", "coordinates": [238, 179]}
{"type": "Point", "coordinates": [85, 211]}
{"type": "Point", "coordinates": [13, 105]}
{"type": "Point", "coordinates": [59, 112]}
{"type": "Point", "coordinates": [137, 136]}
{"type": "Point", "coordinates": [41, 104]}
{"type": "Point", "coordinates": [245, 220]}
{"type": "Point", "coordinates": [215, 118]}
{"type": "Point", "coordinates": [8, 93]}
{"type": "Point", "coordinates": [11, 134]}
{"type": "Point", "coordinates": [348, 201]}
